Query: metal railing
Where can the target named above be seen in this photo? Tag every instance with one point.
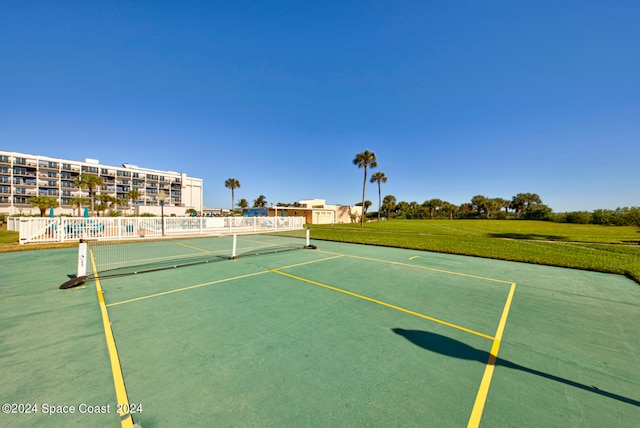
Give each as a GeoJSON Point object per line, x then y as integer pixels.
{"type": "Point", "coordinates": [68, 229]}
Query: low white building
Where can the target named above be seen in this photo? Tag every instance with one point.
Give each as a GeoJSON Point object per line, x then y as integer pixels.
{"type": "Point", "coordinates": [317, 211]}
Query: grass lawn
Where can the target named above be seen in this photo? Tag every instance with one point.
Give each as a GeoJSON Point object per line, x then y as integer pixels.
{"type": "Point", "coordinates": [9, 242]}
{"type": "Point", "coordinates": [608, 249]}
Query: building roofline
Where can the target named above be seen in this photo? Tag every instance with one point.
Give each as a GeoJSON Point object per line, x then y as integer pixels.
{"type": "Point", "coordinates": [92, 162]}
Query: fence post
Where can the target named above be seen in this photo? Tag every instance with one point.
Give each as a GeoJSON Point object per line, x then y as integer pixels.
{"type": "Point", "coordinates": [22, 228]}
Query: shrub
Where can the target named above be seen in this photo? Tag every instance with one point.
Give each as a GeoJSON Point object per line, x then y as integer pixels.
{"type": "Point", "coordinates": [578, 217]}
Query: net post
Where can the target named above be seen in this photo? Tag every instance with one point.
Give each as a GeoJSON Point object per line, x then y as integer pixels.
{"type": "Point", "coordinates": [307, 233]}
{"type": "Point", "coordinates": [233, 247]}
{"type": "Point", "coordinates": [82, 259]}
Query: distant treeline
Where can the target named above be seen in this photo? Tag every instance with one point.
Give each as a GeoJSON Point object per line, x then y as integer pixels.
{"type": "Point", "coordinates": [627, 216]}
{"type": "Point", "coordinates": [524, 206]}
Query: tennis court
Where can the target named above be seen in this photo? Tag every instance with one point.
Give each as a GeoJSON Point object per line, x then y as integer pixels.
{"type": "Point", "coordinates": [341, 335]}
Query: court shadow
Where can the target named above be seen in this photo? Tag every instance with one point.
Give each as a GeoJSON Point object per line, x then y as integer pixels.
{"type": "Point", "coordinates": [528, 236]}
{"type": "Point", "coordinates": [453, 348]}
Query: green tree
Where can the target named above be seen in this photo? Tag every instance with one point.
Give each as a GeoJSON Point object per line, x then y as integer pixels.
{"type": "Point", "coordinates": [132, 196]}
{"type": "Point", "coordinates": [537, 212]}
{"type": "Point", "coordinates": [243, 203]}
{"type": "Point", "coordinates": [432, 206]}
{"type": "Point", "coordinates": [232, 184]}
{"type": "Point", "coordinates": [415, 210]}
{"type": "Point", "coordinates": [466, 209]}
{"type": "Point", "coordinates": [379, 177]}
{"type": "Point", "coordinates": [191, 212]}
{"type": "Point", "coordinates": [449, 208]}
{"type": "Point", "coordinates": [479, 203]}
{"type": "Point", "coordinates": [260, 202]}
{"type": "Point", "coordinates": [522, 201]}
{"type": "Point", "coordinates": [77, 203]}
{"type": "Point", "coordinates": [106, 202]}
{"type": "Point", "coordinates": [91, 183]}
{"type": "Point", "coordinates": [389, 204]}
{"type": "Point", "coordinates": [402, 208]}
{"type": "Point", "coordinates": [365, 160]}
{"type": "Point", "coordinates": [367, 204]}
{"type": "Point", "coordinates": [44, 202]}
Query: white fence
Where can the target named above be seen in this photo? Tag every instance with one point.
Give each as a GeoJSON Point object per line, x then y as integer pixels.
{"type": "Point", "coordinates": [65, 229]}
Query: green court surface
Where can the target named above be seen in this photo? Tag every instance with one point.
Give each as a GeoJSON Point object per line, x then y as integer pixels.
{"type": "Point", "coordinates": [340, 336]}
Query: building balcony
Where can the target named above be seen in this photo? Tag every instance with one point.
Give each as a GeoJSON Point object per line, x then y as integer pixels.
{"type": "Point", "coordinates": [48, 165]}
{"type": "Point", "coordinates": [71, 168]}
{"type": "Point", "coordinates": [21, 182]}
{"type": "Point", "coordinates": [24, 173]}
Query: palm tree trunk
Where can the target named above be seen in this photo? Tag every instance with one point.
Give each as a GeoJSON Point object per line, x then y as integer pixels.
{"type": "Point", "coordinates": [379, 201]}
{"type": "Point", "coordinates": [364, 187]}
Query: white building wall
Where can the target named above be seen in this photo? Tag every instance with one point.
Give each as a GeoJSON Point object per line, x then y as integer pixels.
{"type": "Point", "coordinates": [24, 175]}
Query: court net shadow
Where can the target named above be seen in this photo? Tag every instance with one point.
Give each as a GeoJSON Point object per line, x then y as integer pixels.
{"type": "Point", "coordinates": [453, 348]}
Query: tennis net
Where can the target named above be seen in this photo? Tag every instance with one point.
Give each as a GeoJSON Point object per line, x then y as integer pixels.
{"type": "Point", "coordinates": [121, 258]}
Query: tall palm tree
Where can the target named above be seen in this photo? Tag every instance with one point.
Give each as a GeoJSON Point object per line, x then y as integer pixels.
{"type": "Point", "coordinates": [232, 184]}
{"type": "Point", "coordinates": [365, 160]}
{"type": "Point", "coordinates": [379, 177]}
{"type": "Point", "coordinates": [89, 182]}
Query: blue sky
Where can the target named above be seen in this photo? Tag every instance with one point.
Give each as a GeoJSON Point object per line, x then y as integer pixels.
{"type": "Point", "coordinates": [456, 98]}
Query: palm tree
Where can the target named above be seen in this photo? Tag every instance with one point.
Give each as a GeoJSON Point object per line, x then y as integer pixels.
{"type": "Point", "coordinates": [432, 205]}
{"type": "Point", "coordinates": [479, 202]}
{"type": "Point", "coordinates": [232, 184]}
{"type": "Point", "coordinates": [133, 195]}
{"type": "Point", "coordinates": [243, 203]}
{"type": "Point", "coordinates": [402, 207]}
{"type": "Point", "coordinates": [522, 201]}
{"type": "Point", "coordinates": [44, 202]}
{"type": "Point", "coordinates": [389, 203]}
{"type": "Point", "coordinates": [89, 182]}
{"type": "Point", "coordinates": [365, 160]}
{"type": "Point", "coordinates": [77, 203]}
{"type": "Point", "coordinates": [449, 208]}
{"type": "Point", "coordinates": [260, 202]}
{"type": "Point", "coordinates": [379, 177]}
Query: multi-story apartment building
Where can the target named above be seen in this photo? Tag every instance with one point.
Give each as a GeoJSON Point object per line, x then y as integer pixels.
{"type": "Point", "coordinates": [23, 175]}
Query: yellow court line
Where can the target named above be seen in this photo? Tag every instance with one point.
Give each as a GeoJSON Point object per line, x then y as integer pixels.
{"type": "Point", "coordinates": [414, 257]}
{"type": "Point", "coordinates": [420, 267]}
{"type": "Point", "coordinates": [192, 247]}
{"type": "Point", "coordinates": [388, 305]}
{"type": "Point", "coordinates": [309, 262]}
{"type": "Point", "coordinates": [481, 397]}
{"type": "Point", "coordinates": [191, 287]}
{"type": "Point", "coordinates": [126, 419]}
